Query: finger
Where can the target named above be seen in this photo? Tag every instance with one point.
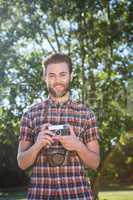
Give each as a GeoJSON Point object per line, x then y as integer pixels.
{"type": "Point", "coordinates": [58, 138]}
{"type": "Point", "coordinates": [45, 126]}
{"type": "Point", "coordinates": [50, 139]}
{"type": "Point", "coordinates": [47, 132]}
{"type": "Point", "coordinates": [45, 137]}
{"type": "Point", "coordinates": [50, 133]}
{"type": "Point", "coordinates": [71, 130]}
{"type": "Point", "coordinates": [47, 141]}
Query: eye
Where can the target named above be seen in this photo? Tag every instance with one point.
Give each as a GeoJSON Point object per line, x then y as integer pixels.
{"type": "Point", "coordinates": [51, 75]}
{"type": "Point", "coordinates": [63, 74]}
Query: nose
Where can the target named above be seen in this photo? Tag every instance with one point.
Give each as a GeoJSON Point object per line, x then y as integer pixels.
{"type": "Point", "coordinates": [57, 79]}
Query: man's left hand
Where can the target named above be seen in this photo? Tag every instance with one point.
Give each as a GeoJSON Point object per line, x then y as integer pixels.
{"type": "Point", "coordinates": [70, 142]}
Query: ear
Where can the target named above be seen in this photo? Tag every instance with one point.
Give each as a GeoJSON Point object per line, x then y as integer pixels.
{"type": "Point", "coordinates": [44, 75]}
{"type": "Point", "coordinates": [43, 78]}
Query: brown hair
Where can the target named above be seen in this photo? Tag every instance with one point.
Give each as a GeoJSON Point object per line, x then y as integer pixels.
{"type": "Point", "coordinates": [57, 58]}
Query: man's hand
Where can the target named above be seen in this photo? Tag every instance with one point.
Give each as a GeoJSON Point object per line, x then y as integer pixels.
{"type": "Point", "coordinates": [44, 137]}
{"type": "Point", "coordinates": [27, 152]}
{"type": "Point", "coordinates": [70, 142]}
{"type": "Point", "coordinates": [88, 153]}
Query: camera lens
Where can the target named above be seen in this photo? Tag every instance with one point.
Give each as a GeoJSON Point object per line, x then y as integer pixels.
{"type": "Point", "coordinates": [58, 132]}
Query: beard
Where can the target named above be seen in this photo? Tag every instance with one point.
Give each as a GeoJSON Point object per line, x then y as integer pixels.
{"type": "Point", "coordinates": [59, 92]}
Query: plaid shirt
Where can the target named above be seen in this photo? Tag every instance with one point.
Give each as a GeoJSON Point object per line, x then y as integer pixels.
{"type": "Point", "coordinates": [60, 182]}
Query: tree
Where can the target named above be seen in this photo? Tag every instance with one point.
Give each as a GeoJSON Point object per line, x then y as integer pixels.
{"type": "Point", "coordinates": [96, 34]}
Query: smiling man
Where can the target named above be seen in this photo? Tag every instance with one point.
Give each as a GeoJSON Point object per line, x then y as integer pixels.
{"type": "Point", "coordinates": [58, 138]}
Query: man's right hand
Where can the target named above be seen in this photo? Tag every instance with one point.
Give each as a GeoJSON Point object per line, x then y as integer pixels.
{"type": "Point", "coordinates": [27, 152]}
{"type": "Point", "coordinates": [44, 138]}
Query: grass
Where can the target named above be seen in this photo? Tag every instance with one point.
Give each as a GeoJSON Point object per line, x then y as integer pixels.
{"type": "Point", "coordinates": [17, 194]}
{"type": "Point", "coordinates": [116, 195]}
{"type": "Point", "coordinates": [13, 194]}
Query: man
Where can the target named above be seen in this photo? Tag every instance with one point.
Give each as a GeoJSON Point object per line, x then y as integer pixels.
{"type": "Point", "coordinates": [59, 175]}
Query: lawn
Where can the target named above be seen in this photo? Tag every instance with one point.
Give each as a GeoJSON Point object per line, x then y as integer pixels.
{"type": "Point", "coordinates": [108, 195]}
{"type": "Point", "coordinates": [116, 195]}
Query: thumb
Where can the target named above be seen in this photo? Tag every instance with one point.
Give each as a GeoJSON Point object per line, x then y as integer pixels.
{"type": "Point", "coordinates": [71, 131]}
{"type": "Point", "coordinates": [45, 126]}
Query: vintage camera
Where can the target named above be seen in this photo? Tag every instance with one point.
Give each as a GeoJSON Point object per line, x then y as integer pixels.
{"type": "Point", "coordinates": [57, 155]}
{"type": "Point", "coordinates": [61, 129]}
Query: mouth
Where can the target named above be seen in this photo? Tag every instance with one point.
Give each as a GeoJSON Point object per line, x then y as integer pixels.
{"type": "Point", "coordinates": [59, 86]}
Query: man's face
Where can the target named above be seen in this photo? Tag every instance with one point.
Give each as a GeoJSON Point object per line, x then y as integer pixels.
{"type": "Point", "coordinates": [58, 78]}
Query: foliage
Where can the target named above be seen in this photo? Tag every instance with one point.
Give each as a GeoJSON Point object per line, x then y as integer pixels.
{"type": "Point", "coordinates": [118, 172]}
{"type": "Point", "coordinates": [98, 37]}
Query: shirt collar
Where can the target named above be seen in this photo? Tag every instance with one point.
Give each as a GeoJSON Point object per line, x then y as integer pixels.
{"type": "Point", "coordinates": [51, 101]}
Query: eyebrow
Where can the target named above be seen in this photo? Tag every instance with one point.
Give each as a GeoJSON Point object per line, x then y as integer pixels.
{"type": "Point", "coordinates": [63, 72]}
{"type": "Point", "coordinates": [51, 73]}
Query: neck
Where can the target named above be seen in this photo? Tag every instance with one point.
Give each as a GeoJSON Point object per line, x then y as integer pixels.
{"type": "Point", "coordinates": [60, 99]}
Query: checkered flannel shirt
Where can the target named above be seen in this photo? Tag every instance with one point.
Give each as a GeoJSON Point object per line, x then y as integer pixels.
{"type": "Point", "coordinates": [60, 182]}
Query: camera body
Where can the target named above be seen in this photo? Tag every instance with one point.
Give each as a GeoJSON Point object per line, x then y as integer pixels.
{"type": "Point", "coordinates": [61, 129]}
{"type": "Point", "coordinates": [56, 154]}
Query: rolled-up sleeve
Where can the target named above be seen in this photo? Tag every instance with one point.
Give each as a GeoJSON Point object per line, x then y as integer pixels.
{"type": "Point", "coordinates": [91, 129]}
{"type": "Point", "coordinates": [26, 128]}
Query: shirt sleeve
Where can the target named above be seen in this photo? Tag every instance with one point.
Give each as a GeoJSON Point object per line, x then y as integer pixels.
{"type": "Point", "coordinates": [91, 129]}
{"type": "Point", "coordinates": [26, 132]}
